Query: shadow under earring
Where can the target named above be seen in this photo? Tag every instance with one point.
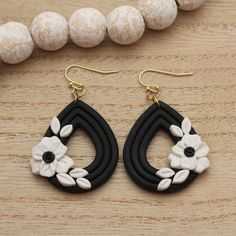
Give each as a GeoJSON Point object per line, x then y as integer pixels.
{"type": "Point", "coordinates": [188, 157]}
{"type": "Point", "coordinates": [49, 157]}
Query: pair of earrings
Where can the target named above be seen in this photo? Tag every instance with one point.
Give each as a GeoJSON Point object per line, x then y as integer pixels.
{"type": "Point", "coordinates": [188, 157]}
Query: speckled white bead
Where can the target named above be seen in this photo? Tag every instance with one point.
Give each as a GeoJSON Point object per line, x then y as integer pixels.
{"type": "Point", "coordinates": [16, 44]}
{"type": "Point", "coordinates": [125, 25]}
{"type": "Point", "coordinates": [87, 27]}
{"type": "Point", "coordinates": [49, 31]}
{"type": "Point", "coordinates": [189, 5]}
{"type": "Point", "coordinates": [158, 14]}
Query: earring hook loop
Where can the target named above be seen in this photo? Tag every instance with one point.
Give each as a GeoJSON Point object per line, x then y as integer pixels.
{"type": "Point", "coordinates": [78, 89]}
{"type": "Point", "coordinates": [153, 91]}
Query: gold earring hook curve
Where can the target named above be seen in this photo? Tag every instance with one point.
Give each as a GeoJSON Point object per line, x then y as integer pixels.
{"type": "Point", "coordinates": [78, 89]}
{"type": "Point", "coordinates": [153, 91]}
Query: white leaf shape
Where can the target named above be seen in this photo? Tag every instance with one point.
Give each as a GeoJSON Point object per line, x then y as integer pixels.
{"type": "Point", "coordinates": [65, 179]}
{"type": "Point", "coordinates": [83, 183]}
{"type": "Point", "coordinates": [186, 125]}
{"type": "Point", "coordinates": [55, 125]}
{"type": "Point", "coordinates": [180, 176]}
{"type": "Point", "coordinates": [165, 173]}
{"type": "Point", "coordinates": [78, 173]}
{"type": "Point", "coordinates": [66, 131]}
{"type": "Point", "coordinates": [164, 184]}
{"type": "Point", "coordinates": [176, 131]}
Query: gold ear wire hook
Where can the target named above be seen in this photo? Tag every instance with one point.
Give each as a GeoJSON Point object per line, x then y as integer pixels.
{"type": "Point", "coordinates": [153, 91]}
{"type": "Point", "coordinates": [78, 89]}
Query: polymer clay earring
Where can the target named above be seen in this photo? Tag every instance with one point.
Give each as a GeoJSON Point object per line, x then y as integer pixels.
{"type": "Point", "coordinates": [188, 157]}
{"type": "Point", "coordinates": [49, 157]}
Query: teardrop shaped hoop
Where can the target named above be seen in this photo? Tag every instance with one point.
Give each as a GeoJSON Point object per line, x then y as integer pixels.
{"type": "Point", "coordinates": [80, 115]}
{"type": "Point", "coordinates": [183, 170]}
{"type": "Point", "coordinates": [53, 163]}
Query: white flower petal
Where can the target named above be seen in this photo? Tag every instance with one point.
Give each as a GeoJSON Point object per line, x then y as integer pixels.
{"type": "Point", "coordinates": [64, 164]}
{"type": "Point", "coordinates": [83, 183]}
{"type": "Point", "coordinates": [176, 131]}
{"type": "Point", "coordinates": [78, 173]}
{"type": "Point", "coordinates": [171, 156]}
{"type": "Point", "coordinates": [165, 173]}
{"type": "Point", "coordinates": [55, 125]}
{"type": "Point", "coordinates": [47, 170]}
{"type": "Point", "coordinates": [67, 160]}
{"type": "Point", "coordinates": [35, 166]}
{"type": "Point", "coordinates": [66, 131]}
{"type": "Point", "coordinates": [164, 184]}
{"type": "Point", "coordinates": [65, 180]}
{"type": "Point", "coordinates": [50, 143]}
{"type": "Point", "coordinates": [202, 150]}
{"type": "Point", "coordinates": [54, 164]}
{"type": "Point", "coordinates": [181, 144]}
{"type": "Point", "coordinates": [202, 164]}
{"type": "Point", "coordinates": [192, 140]}
{"type": "Point", "coordinates": [180, 176]}
{"type": "Point", "coordinates": [62, 167]}
{"type": "Point", "coordinates": [188, 163]}
{"type": "Point", "coordinates": [60, 151]}
{"type": "Point", "coordinates": [178, 150]}
{"type": "Point", "coordinates": [37, 151]}
{"type": "Point", "coordinates": [175, 162]}
{"type": "Point", "coordinates": [186, 125]}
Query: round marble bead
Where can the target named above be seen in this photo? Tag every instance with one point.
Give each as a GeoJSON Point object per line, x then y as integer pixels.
{"type": "Point", "coordinates": [125, 25]}
{"type": "Point", "coordinates": [87, 27]}
{"type": "Point", "coordinates": [49, 31]}
{"type": "Point", "coordinates": [189, 5]}
{"type": "Point", "coordinates": [16, 44]}
{"type": "Point", "coordinates": [158, 14]}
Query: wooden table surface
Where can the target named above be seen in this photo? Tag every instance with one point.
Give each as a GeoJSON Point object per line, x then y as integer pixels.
{"type": "Point", "coordinates": [203, 41]}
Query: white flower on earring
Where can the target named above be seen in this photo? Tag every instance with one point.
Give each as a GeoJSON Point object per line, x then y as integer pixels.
{"type": "Point", "coordinates": [190, 153]}
{"type": "Point", "coordinates": [48, 157]}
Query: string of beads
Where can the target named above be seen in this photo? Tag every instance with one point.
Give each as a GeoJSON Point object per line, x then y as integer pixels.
{"type": "Point", "coordinates": [87, 27]}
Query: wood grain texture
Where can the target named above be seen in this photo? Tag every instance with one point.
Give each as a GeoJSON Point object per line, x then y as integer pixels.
{"type": "Point", "coordinates": [32, 92]}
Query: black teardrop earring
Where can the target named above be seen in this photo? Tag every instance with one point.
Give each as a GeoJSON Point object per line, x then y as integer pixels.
{"type": "Point", "coordinates": [188, 157]}
{"type": "Point", "coordinates": [49, 157]}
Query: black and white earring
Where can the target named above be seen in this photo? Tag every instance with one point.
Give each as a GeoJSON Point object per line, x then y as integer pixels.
{"type": "Point", "coordinates": [188, 157]}
{"type": "Point", "coordinates": [49, 157]}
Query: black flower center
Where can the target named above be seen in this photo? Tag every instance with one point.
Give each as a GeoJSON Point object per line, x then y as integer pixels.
{"type": "Point", "coordinates": [189, 151]}
{"type": "Point", "coordinates": [48, 157]}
